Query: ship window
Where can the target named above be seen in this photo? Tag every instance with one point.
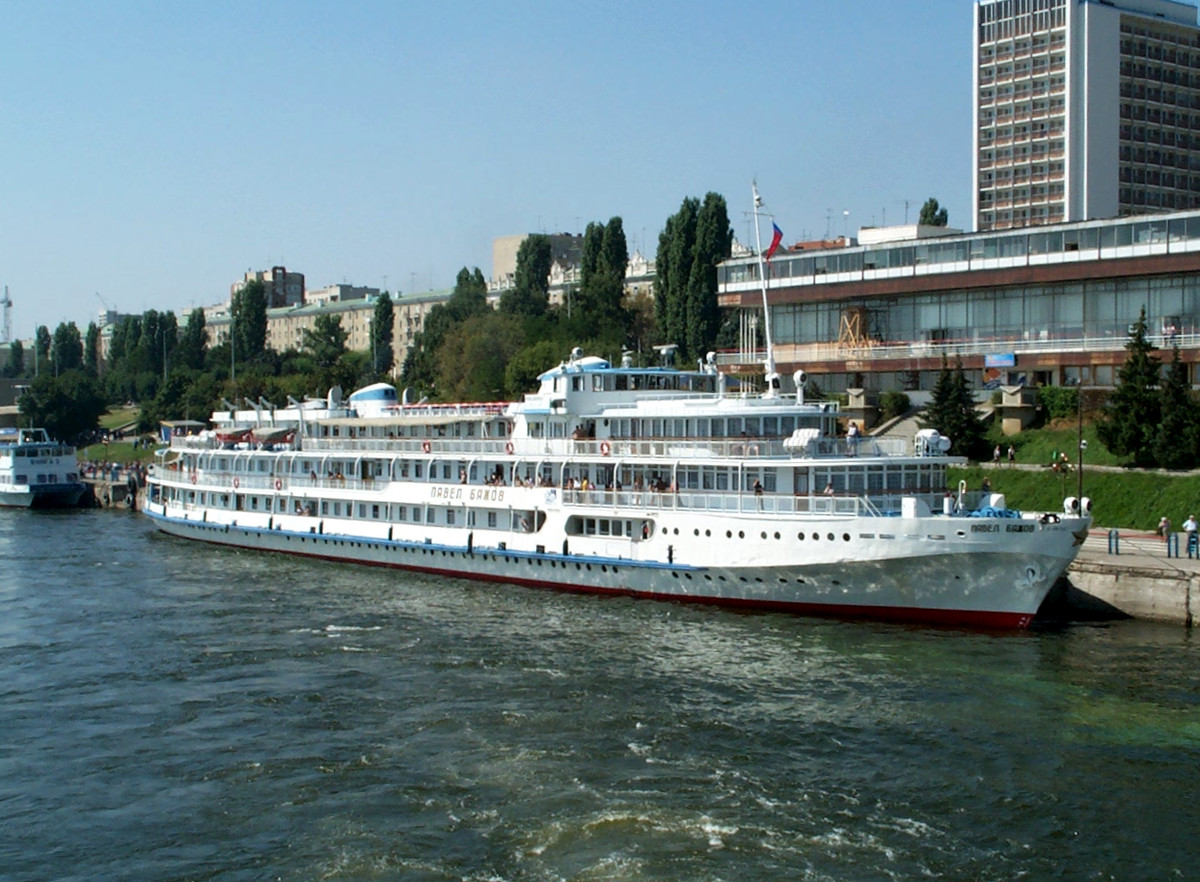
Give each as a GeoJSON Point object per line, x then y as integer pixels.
{"type": "Point", "coordinates": [491, 519]}
{"type": "Point", "coordinates": [401, 513]}
{"type": "Point", "coordinates": [449, 516]}
{"type": "Point", "coordinates": [429, 515]}
{"type": "Point", "coordinates": [416, 513]}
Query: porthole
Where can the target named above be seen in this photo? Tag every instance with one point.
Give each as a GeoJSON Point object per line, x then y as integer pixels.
{"type": "Point", "coordinates": [800, 536]}
{"type": "Point", "coordinates": [836, 582]}
{"type": "Point", "coordinates": [799, 581]}
{"type": "Point", "coordinates": [816, 537]}
{"type": "Point", "coordinates": [696, 532]}
{"type": "Point", "coordinates": [708, 532]}
{"type": "Point", "coordinates": [764, 534]}
{"type": "Point", "coordinates": [676, 531]}
{"type": "Point", "coordinates": [741, 534]}
{"type": "Point", "coordinates": [845, 537]}
{"type": "Point", "coordinates": [603, 568]}
{"type": "Point", "coordinates": [676, 575]}
{"type": "Point", "coordinates": [830, 535]}
{"type": "Point", "coordinates": [728, 534]}
{"type": "Point", "coordinates": [688, 576]}
{"type": "Point", "coordinates": [664, 531]}
{"type": "Point", "coordinates": [777, 536]}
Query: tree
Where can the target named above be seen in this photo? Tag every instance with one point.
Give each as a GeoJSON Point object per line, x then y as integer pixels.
{"type": "Point", "coordinates": [383, 323]}
{"type": "Point", "coordinates": [68, 406]}
{"type": "Point", "coordinates": [91, 350]}
{"type": "Point", "coordinates": [41, 348]}
{"type": "Point", "coordinates": [1177, 438]}
{"type": "Point", "coordinates": [16, 360]}
{"type": "Point", "coordinates": [325, 341]}
{"type": "Point", "coordinates": [193, 343]}
{"type": "Point", "coordinates": [530, 292]}
{"type": "Point", "coordinates": [469, 296]}
{"type": "Point", "coordinates": [66, 348]}
{"type": "Point", "coordinates": [475, 355]}
{"type": "Point", "coordinates": [714, 240]}
{"type": "Point", "coordinates": [952, 412]}
{"type": "Point", "coordinates": [673, 264]}
{"type": "Point", "coordinates": [932, 215]}
{"type": "Point", "coordinates": [249, 311]}
{"type": "Point", "coordinates": [1131, 415]}
{"type": "Point", "coordinates": [602, 268]}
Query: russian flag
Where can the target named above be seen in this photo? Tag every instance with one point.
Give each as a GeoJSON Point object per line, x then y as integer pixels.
{"type": "Point", "coordinates": [776, 238]}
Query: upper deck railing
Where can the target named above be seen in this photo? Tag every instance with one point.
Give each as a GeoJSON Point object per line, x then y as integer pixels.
{"type": "Point", "coordinates": [567, 448]}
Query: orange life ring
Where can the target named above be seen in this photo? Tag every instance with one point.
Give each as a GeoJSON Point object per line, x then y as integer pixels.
{"type": "Point", "coordinates": [278, 484]}
{"type": "Point", "coordinates": [425, 446]}
{"type": "Point", "coordinates": [236, 483]}
{"type": "Point", "coordinates": [508, 447]}
{"type": "Point", "coordinates": [605, 448]}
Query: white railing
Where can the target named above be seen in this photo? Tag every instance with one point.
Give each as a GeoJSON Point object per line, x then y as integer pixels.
{"type": "Point", "coordinates": [813, 352]}
{"type": "Point", "coordinates": [566, 448]}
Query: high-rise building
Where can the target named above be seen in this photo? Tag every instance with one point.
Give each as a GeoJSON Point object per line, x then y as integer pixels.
{"type": "Point", "coordinates": [1084, 109]}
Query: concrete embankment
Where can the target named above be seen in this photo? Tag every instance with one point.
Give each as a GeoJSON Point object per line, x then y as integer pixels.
{"type": "Point", "coordinates": [1129, 575]}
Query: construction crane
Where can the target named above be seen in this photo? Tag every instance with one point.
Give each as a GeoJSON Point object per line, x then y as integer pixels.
{"type": "Point", "coordinates": [7, 304]}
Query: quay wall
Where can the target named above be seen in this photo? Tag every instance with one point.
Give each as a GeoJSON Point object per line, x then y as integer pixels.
{"type": "Point", "coordinates": [1131, 577]}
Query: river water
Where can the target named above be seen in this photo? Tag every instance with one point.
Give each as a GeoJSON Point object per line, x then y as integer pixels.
{"type": "Point", "coordinates": [171, 711]}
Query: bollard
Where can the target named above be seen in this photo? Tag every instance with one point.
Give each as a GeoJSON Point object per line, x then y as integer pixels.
{"type": "Point", "coordinates": [1172, 545]}
{"type": "Point", "coordinates": [1114, 542]}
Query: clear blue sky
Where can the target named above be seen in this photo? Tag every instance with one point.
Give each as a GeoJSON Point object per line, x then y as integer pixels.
{"type": "Point", "coordinates": [153, 152]}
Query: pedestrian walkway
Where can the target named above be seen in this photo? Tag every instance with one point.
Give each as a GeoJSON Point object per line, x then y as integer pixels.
{"type": "Point", "coordinates": [1138, 551]}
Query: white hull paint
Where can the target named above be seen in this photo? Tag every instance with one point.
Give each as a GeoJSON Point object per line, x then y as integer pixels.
{"type": "Point", "coordinates": [970, 579]}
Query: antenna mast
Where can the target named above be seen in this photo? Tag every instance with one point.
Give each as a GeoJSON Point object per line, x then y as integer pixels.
{"type": "Point", "coordinates": [772, 377]}
{"type": "Point", "coordinates": [7, 304]}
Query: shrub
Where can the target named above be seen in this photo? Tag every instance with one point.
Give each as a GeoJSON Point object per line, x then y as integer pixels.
{"type": "Point", "coordinates": [893, 404]}
{"type": "Point", "coordinates": [1059, 401]}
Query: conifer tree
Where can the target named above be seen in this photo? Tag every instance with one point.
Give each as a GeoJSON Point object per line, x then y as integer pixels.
{"type": "Point", "coordinates": [1178, 434]}
{"type": "Point", "coordinates": [952, 411]}
{"type": "Point", "coordinates": [1132, 414]}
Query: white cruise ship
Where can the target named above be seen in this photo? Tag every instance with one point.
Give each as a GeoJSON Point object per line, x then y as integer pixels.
{"type": "Point", "coordinates": [651, 482]}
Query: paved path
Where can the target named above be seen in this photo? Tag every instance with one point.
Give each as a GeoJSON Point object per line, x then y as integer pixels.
{"type": "Point", "coordinates": [1138, 551]}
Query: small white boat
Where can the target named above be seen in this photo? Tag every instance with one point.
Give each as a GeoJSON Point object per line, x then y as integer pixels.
{"type": "Point", "coordinates": [36, 472]}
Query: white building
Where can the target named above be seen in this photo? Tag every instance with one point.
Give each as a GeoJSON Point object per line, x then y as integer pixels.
{"type": "Point", "coordinates": [1084, 109]}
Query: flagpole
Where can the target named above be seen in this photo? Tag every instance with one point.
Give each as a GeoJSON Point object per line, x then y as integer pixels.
{"type": "Point", "coordinates": [769, 364]}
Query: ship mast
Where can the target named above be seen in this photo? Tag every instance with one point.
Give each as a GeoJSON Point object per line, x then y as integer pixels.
{"type": "Point", "coordinates": [772, 377]}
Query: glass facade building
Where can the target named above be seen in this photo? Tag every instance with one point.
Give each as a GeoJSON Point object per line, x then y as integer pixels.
{"type": "Point", "coordinates": [1058, 299]}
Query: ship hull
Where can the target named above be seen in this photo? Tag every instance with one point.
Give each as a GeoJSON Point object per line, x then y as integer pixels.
{"type": "Point", "coordinates": [987, 586]}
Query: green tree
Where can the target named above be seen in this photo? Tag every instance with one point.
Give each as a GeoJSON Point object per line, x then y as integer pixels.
{"type": "Point", "coordinates": [91, 350]}
{"type": "Point", "coordinates": [383, 323]}
{"type": "Point", "coordinates": [469, 296]}
{"type": "Point", "coordinates": [67, 406]}
{"type": "Point", "coordinates": [249, 310]}
{"type": "Point", "coordinates": [524, 368]}
{"type": "Point", "coordinates": [41, 349]}
{"type": "Point", "coordinates": [603, 262]}
{"type": "Point", "coordinates": [952, 412]}
{"type": "Point", "coordinates": [714, 240]}
{"type": "Point", "coordinates": [474, 357]}
{"type": "Point", "coordinates": [325, 341]}
{"type": "Point", "coordinates": [932, 215]}
{"type": "Point", "coordinates": [16, 360]}
{"type": "Point", "coordinates": [530, 292]}
{"type": "Point", "coordinates": [66, 348]}
{"type": "Point", "coordinates": [193, 342]}
{"type": "Point", "coordinates": [673, 265]}
{"type": "Point", "coordinates": [1177, 437]}
{"type": "Point", "coordinates": [1131, 416]}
